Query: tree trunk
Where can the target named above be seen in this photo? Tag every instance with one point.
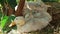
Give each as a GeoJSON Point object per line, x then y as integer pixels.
{"type": "Point", "coordinates": [19, 11]}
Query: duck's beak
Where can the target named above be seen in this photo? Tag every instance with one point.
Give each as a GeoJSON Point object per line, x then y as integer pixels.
{"type": "Point", "coordinates": [12, 24]}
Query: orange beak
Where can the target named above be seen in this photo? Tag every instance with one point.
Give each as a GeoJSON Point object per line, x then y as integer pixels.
{"type": "Point", "coordinates": [12, 24]}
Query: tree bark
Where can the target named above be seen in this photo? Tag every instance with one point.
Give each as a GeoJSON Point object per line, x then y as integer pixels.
{"type": "Point", "coordinates": [7, 9]}
{"type": "Point", "coordinates": [19, 11]}
{"type": "Point", "coordinates": [10, 11]}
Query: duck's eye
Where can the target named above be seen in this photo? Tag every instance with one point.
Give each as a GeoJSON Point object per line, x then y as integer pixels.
{"type": "Point", "coordinates": [16, 18]}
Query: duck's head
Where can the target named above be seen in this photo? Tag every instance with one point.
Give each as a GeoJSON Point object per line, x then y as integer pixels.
{"type": "Point", "coordinates": [18, 21]}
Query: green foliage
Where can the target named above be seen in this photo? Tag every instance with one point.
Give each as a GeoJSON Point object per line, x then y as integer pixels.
{"type": "Point", "coordinates": [0, 15]}
{"type": "Point", "coordinates": [2, 2]}
{"type": "Point", "coordinates": [6, 20]}
{"type": "Point", "coordinates": [3, 21]}
{"type": "Point", "coordinates": [6, 26]}
{"type": "Point", "coordinates": [12, 3]}
{"type": "Point", "coordinates": [50, 0]}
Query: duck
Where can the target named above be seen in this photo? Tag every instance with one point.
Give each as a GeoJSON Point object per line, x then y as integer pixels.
{"type": "Point", "coordinates": [32, 20]}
